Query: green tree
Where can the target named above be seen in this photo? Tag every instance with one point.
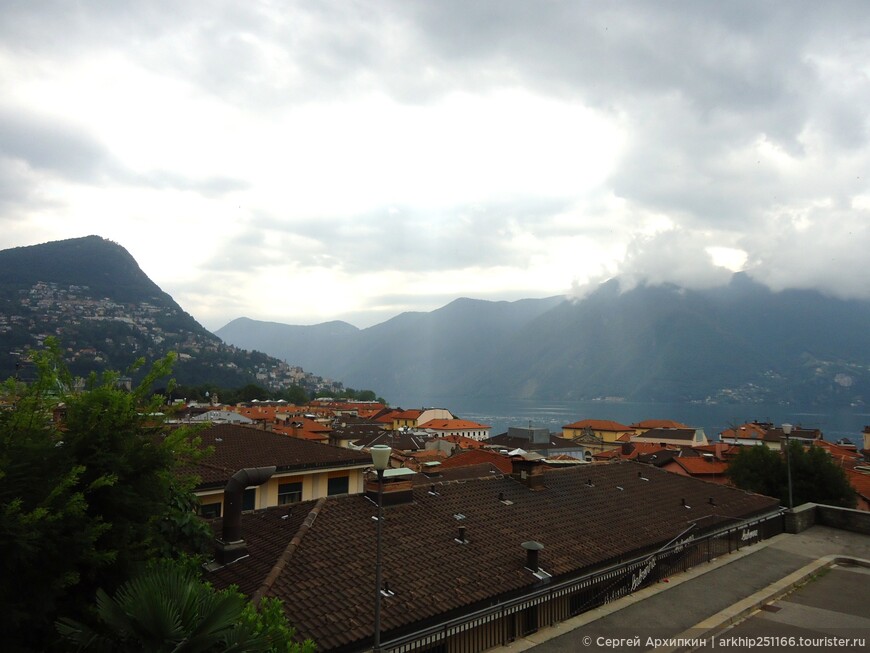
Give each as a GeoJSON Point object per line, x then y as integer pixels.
{"type": "Point", "coordinates": [85, 499]}
{"type": "Point", "coordinates": [815, 477]}
{"type": "Point", "coordinates": [294, 394]}
{"type": "Point", "coordinates": [169, 609]}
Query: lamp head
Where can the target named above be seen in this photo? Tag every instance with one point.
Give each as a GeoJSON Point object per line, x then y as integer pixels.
{"type": "Point", "coordinates": [381, 456]}
{"type": "Point", "coordinates": [786, 428]}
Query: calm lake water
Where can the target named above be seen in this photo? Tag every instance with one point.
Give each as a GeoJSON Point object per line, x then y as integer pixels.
{"type": "Point", "coordinates": [835, 423]}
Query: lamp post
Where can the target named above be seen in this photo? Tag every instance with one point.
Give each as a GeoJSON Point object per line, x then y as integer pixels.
{"type": "Point", "coordinates": [380, 459]}
{"type": "Point", "coordinates": [786, 431]}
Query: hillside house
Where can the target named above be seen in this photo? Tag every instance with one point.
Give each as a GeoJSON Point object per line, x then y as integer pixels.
{"type": "Point", "coordinates": [304, 470]}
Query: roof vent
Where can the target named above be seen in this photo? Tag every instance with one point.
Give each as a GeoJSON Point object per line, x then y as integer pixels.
{"type": "Point", "coordinates": [686, 505]}
{"type": "Point", "coordinates": [532, 547]}
{"type": "Point", "coordinates": [641, 476]}
{"type": "Point", "coordinates": [461, 537]}
{"type": "Point", "coordinates": [432, 491]}
{"type": "Point", "coordinates": [620, 488]}
{"type": "Point", "coordinates": [231, 547]}
{"type": "Point", "coordinates": [589, 483]}
{"type": "Point", "coordinates": [712, 503]}
{"type": "Point", "coordinates": [386, 591]}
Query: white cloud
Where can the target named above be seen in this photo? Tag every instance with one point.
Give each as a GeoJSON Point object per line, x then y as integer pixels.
{"type": "Point", "coordinates": [394, 155]}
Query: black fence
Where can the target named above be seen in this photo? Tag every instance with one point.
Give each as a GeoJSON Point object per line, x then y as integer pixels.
{"type": "Point", "coordinates": [503, 623]}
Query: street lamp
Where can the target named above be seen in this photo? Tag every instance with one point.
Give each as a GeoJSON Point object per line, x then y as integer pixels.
{"type": "Point", "coordinates": [786, 431]}
{"type": "Point", "coordinates": [380, 459]}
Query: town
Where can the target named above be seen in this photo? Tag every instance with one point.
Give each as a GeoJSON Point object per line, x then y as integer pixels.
{"type": "Point", "coordinates": [431, 441]}
{"type": "Point", "coordinates": [479, 546]}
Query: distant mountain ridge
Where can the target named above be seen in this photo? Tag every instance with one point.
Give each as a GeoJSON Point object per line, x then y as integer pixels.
{"type": "Point", "coordinates": [736, 343]}
{"type": "Point", "coordinates": [92, 295]}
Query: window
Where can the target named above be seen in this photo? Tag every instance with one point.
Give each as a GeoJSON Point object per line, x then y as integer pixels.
{"type": "Point", "coordinates": [338, 485]}
{"type": "Point", "coordinates": [249, 498]}
{"type": "Point", "coordinates": [210, 510]}
{"type": "Point", "coordinates": [289, 493]}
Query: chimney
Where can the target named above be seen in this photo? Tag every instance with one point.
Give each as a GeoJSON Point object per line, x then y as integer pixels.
{"type": "Point", "coordinates": [230, 547]}
{"type": "Point", "coordinates": [397, 490]}
{"type": "Point", "coordinates": [528, 472]}
{"type": "Point", "coordinates": [532, 547]}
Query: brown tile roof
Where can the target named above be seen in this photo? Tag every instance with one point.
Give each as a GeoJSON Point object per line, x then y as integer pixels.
{"type": "Point", "coordinates": [327, 582]}
{"type": "Point", "coordinates": [553, 442]}
{"type": "Point", "coordinates": [659, 424]}
{"type": "Point", "coordinates": [397, 440]}
{"type": "Point", "coordinates": [598, 425]}
{"type": "Point", "coordinates": [685, 435]}
{"type": "Point", "coordinates": [237, 447]}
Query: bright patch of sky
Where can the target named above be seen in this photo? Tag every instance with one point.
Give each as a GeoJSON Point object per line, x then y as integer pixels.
{"type": "Point", "coordinates": [301, 162]}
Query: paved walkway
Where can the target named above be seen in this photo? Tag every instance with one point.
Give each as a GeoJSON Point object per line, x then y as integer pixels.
{"type": "Point", "coordinates": [705, 600]}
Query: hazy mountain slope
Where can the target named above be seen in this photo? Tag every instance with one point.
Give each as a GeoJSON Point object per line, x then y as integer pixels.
{"type": "Point", "coordinates": [739, 342]}
{"type": "Point", "coordinates": [319, 347]}
{"type": "Point", "coordinates": [427, 351]}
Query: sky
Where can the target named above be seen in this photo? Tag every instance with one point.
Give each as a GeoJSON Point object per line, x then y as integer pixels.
{"type": "Point", "coordinates": [301, 162]}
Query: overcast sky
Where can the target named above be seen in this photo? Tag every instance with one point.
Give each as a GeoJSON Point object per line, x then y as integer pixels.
{"type": "Point", "coordinates": [307, 161]}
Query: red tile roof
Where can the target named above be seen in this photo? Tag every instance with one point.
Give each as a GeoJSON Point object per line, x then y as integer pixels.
{"type": "Point", "coordinates": [477, 456]}
{"type": "Point", "coordinates": [462, 441]}
{"type": "Point", "coordinates": [700, 466]}
{"type": "Point", "coordinates": [408, 414]}
{"type": "Point", "coordinates": [841, 455]}
{"type": "Point", "coordinates": [860, 482]}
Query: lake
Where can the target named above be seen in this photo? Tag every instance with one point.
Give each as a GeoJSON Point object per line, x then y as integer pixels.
{"type": "Point", "coordinates": [835, 423]}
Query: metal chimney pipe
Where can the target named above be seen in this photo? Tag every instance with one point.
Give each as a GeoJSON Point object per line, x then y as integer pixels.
{"type": "Point", "coordinates": [233, 492]}
{"type": "Point", "coordinates": [532, 549]}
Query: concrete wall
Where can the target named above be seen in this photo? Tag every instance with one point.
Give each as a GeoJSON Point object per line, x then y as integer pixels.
{"type": "Point", "coordinates": [856, 521]}
{"type": "Point", "coordinates": [809, 514]}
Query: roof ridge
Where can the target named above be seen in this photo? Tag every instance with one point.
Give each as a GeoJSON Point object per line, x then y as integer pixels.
{"type": "Point", "coordinates": [284, 558]}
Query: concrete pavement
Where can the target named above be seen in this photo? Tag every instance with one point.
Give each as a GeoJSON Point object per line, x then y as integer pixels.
{"type": "Point", "coordinates": [705, 600]}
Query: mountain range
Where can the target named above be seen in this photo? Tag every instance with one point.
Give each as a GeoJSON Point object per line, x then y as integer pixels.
{"type": "Point", "coordinates": [94, 298]}
{"type": "Point", "coordinates": [737, 343]}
